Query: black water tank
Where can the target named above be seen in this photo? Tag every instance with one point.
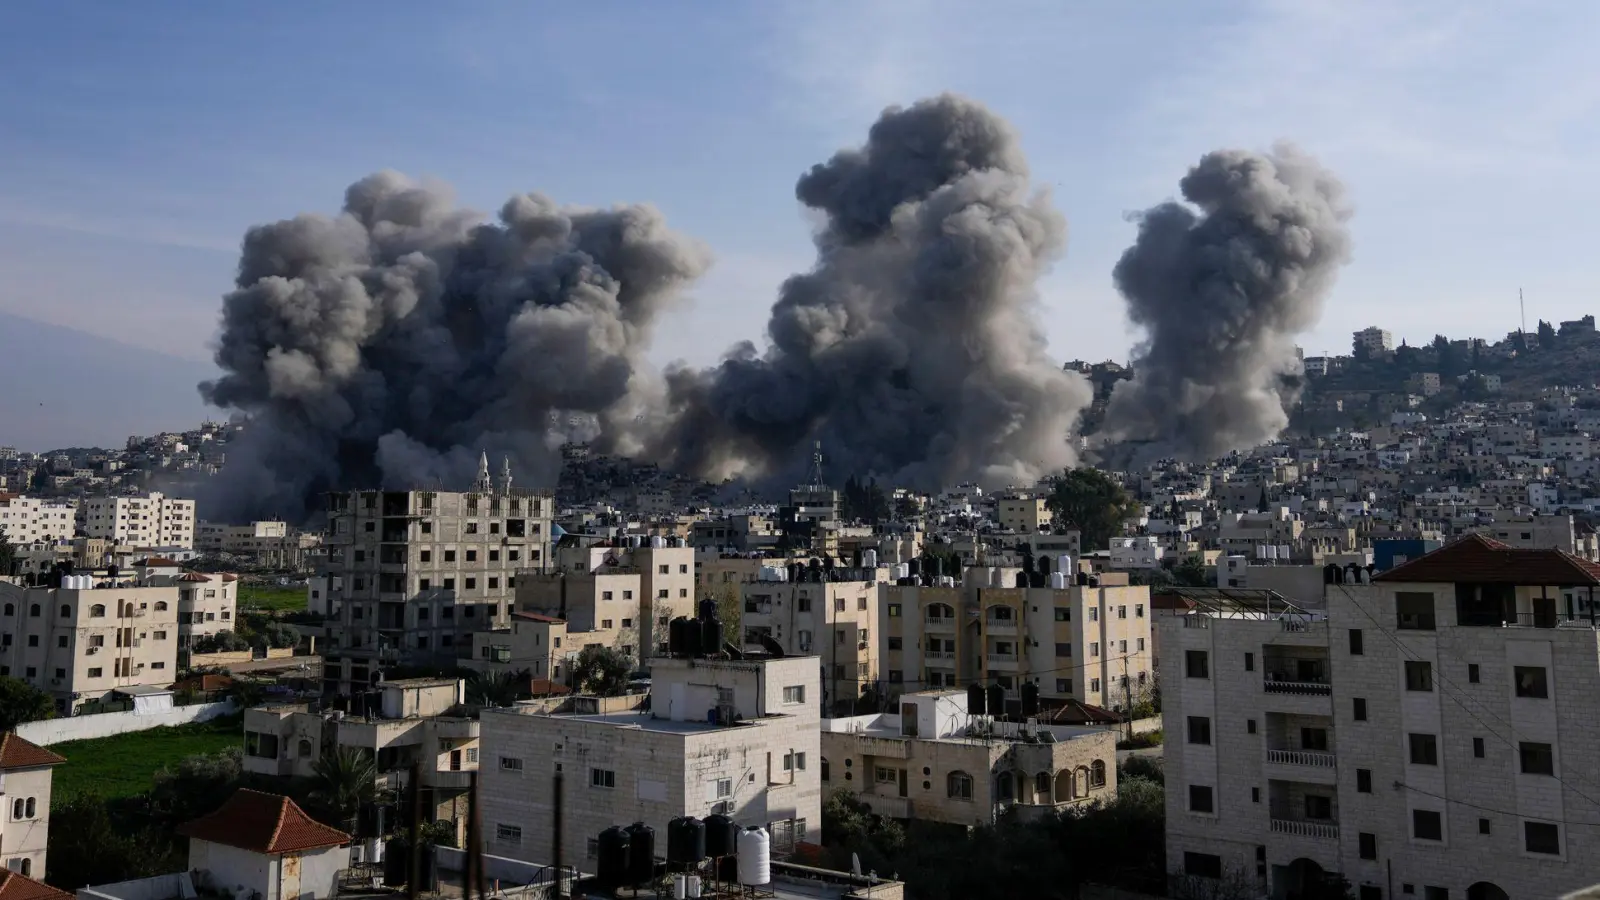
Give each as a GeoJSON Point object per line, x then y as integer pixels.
{"type": "Point", "coordinates": [675, 637]}
{"type": "Point", "coordinates": [641, 853]}
{"type": "Point", "coordinates": [975, 700]}
{"type": "Point", "coordinates": [708, 608]}
{"type": "Point", "coordinates": [1043, 566]}
{"type": "Point", "coordinates": [1083, 578]}
{"type": "Point", "coordinates": [691, 637]}
{"type": "Point", "coordinates": [1022, 579]}
{"type": "Point", "coordinates": [722, 836]}
{"type": "Point", "coordinates": [914, 567]}
{"type": "Point", "coordinates": [686, 841]}
{"type": "Point", "coordinates": [1330, 574]}
{"type": "Point", "coordinates": [1030, 699]}
{"type": "Point", "coordinates": [611, 857]}
{"type": "Point", "coordinates": [710, 637]}
{"type": "Point", "coordinates": [997, 699]}
{"type": "Point", "coordinates": [1037, 580]}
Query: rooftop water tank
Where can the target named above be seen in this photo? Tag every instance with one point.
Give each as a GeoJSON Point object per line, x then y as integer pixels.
{"type": "Point", "coordinates": [721, 836]}
{"type": "Point", "coordinates": [686, 841]}
{"type": "Point", "coordinates": [755, 857]}
{"type": "Point", "coordinates": [976, 705]}
{"type": "Point", "coordinates": [869, 559]}
{"type": "Point", "coordinates": [641, 853]}
{"type": "Point", "coordinates": [657, 542]}
{"type": "Point", "coordinates": [611, 857]}
{"type": "Point", "coordinates": [1064, 564]}
{"type": "Point", "coordinates": [1058, 580]}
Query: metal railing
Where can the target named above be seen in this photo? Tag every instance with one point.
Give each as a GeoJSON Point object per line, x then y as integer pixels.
{"type": "Point", "coordinates": [1003, 657]}
{"type": "Point", "coordinates": [1318, 758]}
{"type": "Point", "coordinates": [941, 621]}
{"type": "Point", "coordinates": [1302, 828]}
{"type": "Point", "coordinates": [1193, 621]}
{"type": "Point", "coordinates": [938, 654]}
{"type": "Point", "coordinates": [1315, 688]}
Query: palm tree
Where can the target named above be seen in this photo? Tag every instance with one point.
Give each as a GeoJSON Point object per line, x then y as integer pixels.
{"type": "Point", "coordinates": [499, 689]}
{"type": "Point", "coordinates": [345, 780]}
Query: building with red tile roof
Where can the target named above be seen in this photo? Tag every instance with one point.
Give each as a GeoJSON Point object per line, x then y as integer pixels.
{"type": "Point", "coordinates": [265, 844]}
{"type": "Point", "coordinates": [269, 824]}
{"type": "Point", "coordinates": [16, 886]}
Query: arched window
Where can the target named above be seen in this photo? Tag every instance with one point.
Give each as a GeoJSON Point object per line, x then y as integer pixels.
{"type": "Point", "coordinates": [18, 806]}
{"type": "Point", "coordinates": [33, 610]}
{"type": "Point", "coordinates": [940, 611]}
{"type": "Point", "coordinates": [1003, 782]}
{"type": "Point", "coordinates": [31, 807]}
{"type": "Point", "coordinates": [66, 611]}
{"type": "Point", "coordinates": [305, 748]}
{"type": "Point", "coordinates": [959, 785]}
{"type": "Point", "coordinates": [1041, 787]}
{"type": "Point", "coordinates": [1066, 786]}
{"type": "Point", "coordinates": [161, 606]}
{"type": "Point", "coordinates": [97, 611]}
{"type": "Point", "coordinates": [11, 610]}
{"type": "Point", "coordinates": [1097, 774]}
{"type": "Point", "coordinates": [1002, 614]}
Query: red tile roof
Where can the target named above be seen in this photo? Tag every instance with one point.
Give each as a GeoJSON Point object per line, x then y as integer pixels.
{"type": "Point", "coordinates": [17, 753]}
{"type": "Point", "coordinates": [157, 562]}
{"type": "Point", "coordinates": [535, 617]}
{"type": "Point", "coordinates": [204, 683]}
{"type": "Point", "coordinates": [1076, 712]}
{"type": "Point", "coordinates": [263, 823]}
{"type": "Point", "coordinates": [229, 576]}
{"type": "Point", "coordinates": [16, 886]}
{"type": "Point", "coordinates": [192, 577]}
{"type": "Point", "coordinates": [1481, 560]}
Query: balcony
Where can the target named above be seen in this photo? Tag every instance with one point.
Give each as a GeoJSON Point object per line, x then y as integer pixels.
{"type": "Point", "coordinates": [1315, 758]}
{"type": "Point", "coordinates": [1300, 688]}
{"type": "Point", "coordinates": [1003, 660]}
{"type": "Point", "coordinates": [1193, 621]}
{"type": "Point", "coordinates": [941, 623]}
{"type": "Point", "coordinates": [1000, 626]}
{"type": "Point", "coordinates": [453, 780]}
{"type": "Point", "coordinates": [1327, 831]}
{"type": "Point", "coordinates": [937, 657]}
{"type": "Point", "coordinates": [888, 807]}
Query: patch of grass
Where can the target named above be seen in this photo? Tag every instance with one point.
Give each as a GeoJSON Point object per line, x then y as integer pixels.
{"type": "Point", "coordinates": [123, 765]}
{"type": "Point", "coordinates": [272, 597]}
{"type": "Point", "coordinates": [1141, 741]}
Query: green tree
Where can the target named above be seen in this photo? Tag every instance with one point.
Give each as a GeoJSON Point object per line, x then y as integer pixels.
{"type": "Point", "coordinates": [344, 781]}
{"type": "Point", "coordinates": [603, 671]}
{"type": "Point", "coordinates": [194, 788]}
{"type": "Point", "coordinates": [88, 846]}
{"type": "Point", "coordinates": [850, 827]}
{"type": "Point", "coordinates": [21, 702]}
{"type": "Point", "coordinates": [1094, 503]}
{"type": "Point", "coordinates": [1547, 335]}
{"type": "Point", "coordinates": [907, 507]}
{"type": "Point", "coordinates": [221, 642]}
{"type": "Point", "coordinates": [1191, 573]}
{"type": "Point", "coordinates": [8, 555]}
{"type": "Point", "coordinates": [495, 689]}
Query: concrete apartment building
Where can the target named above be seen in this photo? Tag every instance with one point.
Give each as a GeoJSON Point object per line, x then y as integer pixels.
{"type": "Point", "coordinates": [151, 520]}
{"type": "Point", "coordinates": [933, 762]}
{"type": "Point", "coordinates": [30, 520]}
{"type": "Point", "coordinates": [1089, 643]}
{"type": "Point", "coordinates": [272, 544]}
{"type": "Point", "coordinates": [26, 770]}
{"type": "Point", "coordinates": [411, 574]}
{"type": "Point", "coordinates": [622, 592]}
{"type": "Point", "coordinates": [1023, 513]}
{"type": "Point", "coordinates": [536, 644]}
{"type": "Point", "coordinates": [1372, 341]}
{"type": "Point", "coordinates": [758, 762]}
{"type": "Point", "coordinates": [400, 723]}
{"type": "Point", "coordinates": [83, 644]}
{"type": "Point", "coordinates": [207, 604]}
{"type": "Point", "coordinates": [1431, 735]}
{"type": "Point", "coordinates": [830, 614]}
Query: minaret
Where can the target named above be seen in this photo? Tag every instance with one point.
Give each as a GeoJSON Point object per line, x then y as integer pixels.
{"type": "Point", "coordinates": [505, 475]}
{"type": "Point", "coordinates": [482, 484]}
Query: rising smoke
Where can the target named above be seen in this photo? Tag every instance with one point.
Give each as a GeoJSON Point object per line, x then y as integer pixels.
{"type": "Point", "coordinates": [388, 345]}
{"type": "Point", "coordinates": [1222, 287]}
{"type": "Point", "coordinates": [912, 349]}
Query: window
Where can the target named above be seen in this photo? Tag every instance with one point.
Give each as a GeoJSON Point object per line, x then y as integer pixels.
{"type": "Point", "coordinates": [61, 640]}
{"type": "Point", "coordinates": [896, 644]}
{"type": "Point", "coordinates": [1063, 685]}
{"type": "Point", "coordinates": [1419, 675]}
{"type": "Point", "coordinates": [1094, 648]}
{"type": "Point", "coordinates": [1360, 704]}
{"type": "Point", "coordinates": [1413, 611]}
{"type": "Point", "coordinates": [1427, 825]}
{"type": "Point", "coordinates": [1537, 759]}
{"type": "Point", "coordinates": [880, 774]}
{"type": "Point", "coordinates": [1094, 685]}
{"type": "Point", "coordinates": [1255, 795]}
{"type": "Point", "coordinates": [449, 556]}
{"type": "Point", "coordinates": [1249, 726]}
{"type": "Point", "coordinates": [1363, 781]}
{"type": "Point", "coordinates": [1424, 749]}
{"type": "Point", "coordinates": [472, 583]}
{"type": "Point", "coordinates": [493, 583]}
{"type": "Point", "coordinates": [97, 611]}
{"type": "Point", "coordinates": [1537, 837]}
{"type": "Point", "coordinates": [1138, 610]}
{"type": "Point", "coordinates": [1200, 799]}
{"type": "Point", "coordinates": [95, 673]}
{"type": "Point", "coordinates": [1202, 865]}
{"type": "Point", "coordinates": [508, 834]}
{"type": "Point", "coordinates": [1249, 662]}
{"type": "Point", "coordinates": [1531, 681]}
{"type": "Point", "coordinates": [1472, 672]}
{"type": "Point", "coordinates": [1063, 615]}
{"type": "Point", "coordinates": [1199, 730]}
{"type": "Point", "coordinates": [427, 556]}
{"type": "Point", "coordinates": [1319, 808]}
{"type": "Point", "coordinates": [1314, 739]}
{"type": "Point", "coordinates": [602, 778]}
{"type": "Point", "coordinates": [511, 764]}
{"type": "Point", "coordinates": [959, 786]}
{"type": "Point", "coordinates": [1122, 612]}
{"type": "Point", "coordinates": [1097, 774]}
{"type": "Point", "coordinates": [1483, 826]}
{"type": "Point", "coordinates": [1368, 844]}
{"type": "Point", "coordinates": [472, 528]}
{"type": "Point", "coordinates": [1477, 747]}
{"type": "Point", "coordinates": [1196, 664]}
{"type": "Point", "coordinates": [1063, 650]}
{"type": "Point", "coordinates": [1356, 645]}
{"type": "Point", "coordinates": [1141, 644]}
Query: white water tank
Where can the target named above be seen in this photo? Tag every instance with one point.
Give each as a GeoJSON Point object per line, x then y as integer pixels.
{"type": "Point", "coordinates": [1064, 564]}
{"type": "Point", "coordinates": [755, 856]}
{"type": "Point", "coordinates": [997, 577]}
{"type": "Point", "coordinates": [694, 887]}
{"type": "Point", "coordinates": [1058, 581]}
{"type": "Point", "coordinates": [869, 559]}
{"type": "Point", "coordinates": [657, 542]}
{"type": "Point", "coordinates": [680, 887]}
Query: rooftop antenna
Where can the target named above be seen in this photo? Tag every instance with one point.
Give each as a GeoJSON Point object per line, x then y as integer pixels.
{"type": "Point", "coordinates": [816, 466]}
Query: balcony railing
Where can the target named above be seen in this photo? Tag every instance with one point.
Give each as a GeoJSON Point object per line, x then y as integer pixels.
{"type": "Point", "coordinates": [1320, 759]}
{"type": "Point", "coordinates": [1000, 626]}
{"type": "Point", "coordinates": [941, 622]}
{"type": "Point", "coordinates": [1196, 621]}
{"type": "Point", "coordinates": [939, 655]}
{"type": "Point", "coordinates": [1003, 657]}
{"type": "Point", "coordinates": [1309, 688]}
{"type": "Point", "coordinates": [1302, 828]}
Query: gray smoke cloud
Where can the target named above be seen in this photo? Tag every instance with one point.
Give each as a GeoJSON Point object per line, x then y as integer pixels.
{"type": "Point", "coordinates": [912, 349]}
{"type": "Point", "coordinates": [1222, 284]}
{"type": "Point", "coordinates": [390, 344]}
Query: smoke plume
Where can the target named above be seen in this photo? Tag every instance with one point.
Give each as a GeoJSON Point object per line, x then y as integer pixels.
{"type": "Point", "coordinates": [388, 345]}
{"type": "Point", "coordinates": [1222, 287]}
{"type": "Point", "coordinates": [912, 349]}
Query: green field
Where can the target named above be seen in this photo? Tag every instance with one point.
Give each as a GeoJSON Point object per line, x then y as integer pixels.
{"type": "Point", "coordinates": [124, 764]}
{"type": "Point", "coordinates": [272, 597]}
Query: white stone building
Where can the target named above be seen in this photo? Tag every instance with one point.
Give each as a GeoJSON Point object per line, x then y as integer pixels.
{"type": "Point", "coordinates": [31, 520]}
{"type": "Point", "coordinates": [759, 763]}
{"type": "Point", "coordinates": [152, 520]}
{"type": "Point", "coordinates": [1431, 735]}
{"type": "Point", "coordinates": [25, 777]}
{"type": "Point", "coordinates": [263, 845]}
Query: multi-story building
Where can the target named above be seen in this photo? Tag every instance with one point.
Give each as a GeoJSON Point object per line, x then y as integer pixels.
{"type": "Point", "coordinates": [933, 762]}
{"type": "Point", "coordinates": [1372, 341]}
{"type": "Point", "coordinates": [152, 520]}
{"type": "Point", "coordinates": [832, 614]}
{"type": "Point", "coordinates": [85, 643]}
{"type": "Point", "coordinates": [207, 605]}
{"type": "Point", "coordinates": [30, 520]}
{"type": "Point", "coordinates": [272, 544]}
{"type": "Point", "coordinates": [1023, 513]}
{"type": "Point", "coordinates": [755, 757]}
{"type": "Point", "coordinates": [410, 722]}
{"type": "Point", "coordinates": [532, 643]}
{"type": "Point", "coordinates": [25, 775]}
{"type": "Point", "coordinates": [412, 573]}
{"type": "Point", "coordinates": [1084, 642]}
{"type": "Point", "coordinates": [1429, 736]}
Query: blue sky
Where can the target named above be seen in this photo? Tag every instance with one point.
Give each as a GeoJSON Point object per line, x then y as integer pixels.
{"type": "Point", "coordinates": [139, 140]}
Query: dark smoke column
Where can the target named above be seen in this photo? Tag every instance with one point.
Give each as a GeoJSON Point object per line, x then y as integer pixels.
{"type": "Point", "coordinates": [390, 344]}
{"type": "Point", "coordinates": [912, 349]}
{"type": "Point", "coordinates": [1222, 288]}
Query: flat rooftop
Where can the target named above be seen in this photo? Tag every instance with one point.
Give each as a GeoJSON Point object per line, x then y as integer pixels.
{"type": "Point", "coordinates": [635, 719]}
{"type": "Point", "coordinates": [887, 725]}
